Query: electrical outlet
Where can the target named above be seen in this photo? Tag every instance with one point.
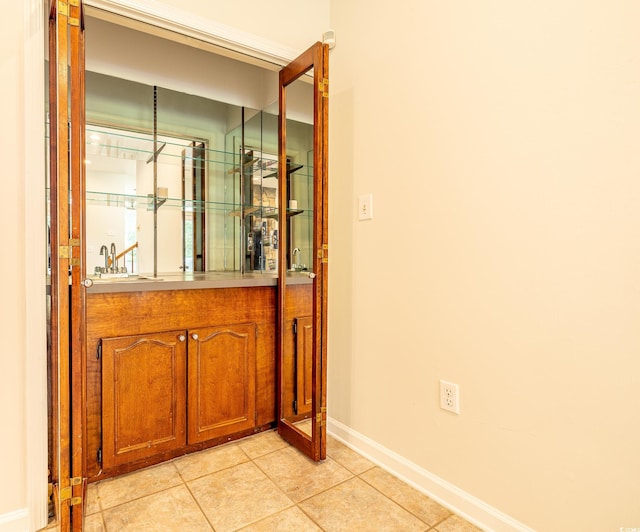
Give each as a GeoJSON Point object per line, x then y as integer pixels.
{"type": "Point", "coordinates": [450, 397]}
{"type": "Point", "coordinates": [365, 207]}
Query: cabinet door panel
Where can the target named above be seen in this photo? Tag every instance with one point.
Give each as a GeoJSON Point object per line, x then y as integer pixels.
{"type": "Point", "coordinates": [143, 396]}
{"type": "Point", "coordinates": [222, 375]}
{"type": "Point", "coordinates": [304, 364]}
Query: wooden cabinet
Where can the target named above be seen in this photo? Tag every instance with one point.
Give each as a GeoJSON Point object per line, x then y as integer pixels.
{"type": "Point", "coordinates": [153, 404]}
{"type": "Point", "coordinates": [222, 381]}
{"type": "Point", "coordinates": [143, 393]}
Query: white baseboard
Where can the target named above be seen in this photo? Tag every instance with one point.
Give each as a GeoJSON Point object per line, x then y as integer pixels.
{"type": "Point", "coordinates": [17, 521]}
{"type": "Point", "coordinates": [458, 501]}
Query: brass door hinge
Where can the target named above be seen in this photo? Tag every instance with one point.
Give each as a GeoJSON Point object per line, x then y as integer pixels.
{"type": "Point", "coordinates": [74, 21]}
{"type": "Point", "coordinates": [66, 493]}
{"type": "Point", "coordinates": [66, 252]}
{"type": "Point", "coordinates": [323, 254]}
{"type": "Point", "coordinates": [63, 8]}
{"type": "Point", "coordinates": [321, 417]}
{"type": "Point", "coordinates": [323, 87]}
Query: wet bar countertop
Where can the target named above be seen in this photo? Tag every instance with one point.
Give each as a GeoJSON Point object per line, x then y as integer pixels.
{"type": "Point", "coordinates": [191, 281]}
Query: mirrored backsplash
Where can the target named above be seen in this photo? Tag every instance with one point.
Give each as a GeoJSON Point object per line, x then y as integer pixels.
{"type": "Point", "coordinates": [215, 206]}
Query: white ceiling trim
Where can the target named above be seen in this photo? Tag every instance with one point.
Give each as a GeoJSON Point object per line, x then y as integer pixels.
{"type": "Point", "coordinates": [227, 40]}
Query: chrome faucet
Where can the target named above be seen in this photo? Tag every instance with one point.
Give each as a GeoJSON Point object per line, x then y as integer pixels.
{"type": "Point", "coordinates": [114, 265]}
{"type": "Point", "coordinates": [296, 251]}
{"type": "Point", "coordinates": [104, 251]}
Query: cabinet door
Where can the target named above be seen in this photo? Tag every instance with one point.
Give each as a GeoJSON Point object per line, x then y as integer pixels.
{"type": "Point", "coordinates": [143, 396]}
{"type": "Point", "coordinates": [222, 381]}
{"type": "Point", "coordinates": [304, 365]}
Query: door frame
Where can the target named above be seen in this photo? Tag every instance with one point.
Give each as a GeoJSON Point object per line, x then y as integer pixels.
{"type": "Point", "coordinates": [220, 39]}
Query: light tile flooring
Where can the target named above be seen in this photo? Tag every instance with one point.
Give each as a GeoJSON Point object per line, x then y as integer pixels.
{"type": "Point", "coordinates": [261, 483]}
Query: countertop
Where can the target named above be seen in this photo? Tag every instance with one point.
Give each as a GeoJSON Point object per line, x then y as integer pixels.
{"type": "Point", "coordinates": [191, 281]}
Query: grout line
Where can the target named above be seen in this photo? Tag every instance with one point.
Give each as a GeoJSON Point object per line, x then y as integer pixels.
{"type": "Point", "coordinates": [402, 506]}
{"type": "Point", "coordinates": [248, 459]}
{"type": "Point", "coordinates": [199, 506]}
{"type": "Point", "coordinates": [442, 521]}
{"type": "Point", "coordinates": [326, 489]}
{"type": "Point", "coordinates": [138, 498]}
{"type": "Point", "coordinates": [142, 496]}
{"type": "Point", "coordinates": [253, 460]}
{"type": "Point", "coordinates": [309, 517]}
{"type": "Point", "coordinates": [271, 479]}
{"type": "Point", "coordinates": [294, 503]}
{"type": "Point", "coordinates": [397, 503]}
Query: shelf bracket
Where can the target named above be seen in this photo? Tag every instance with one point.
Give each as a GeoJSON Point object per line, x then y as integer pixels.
{"type": "Point", "coordinates": [154, 157]}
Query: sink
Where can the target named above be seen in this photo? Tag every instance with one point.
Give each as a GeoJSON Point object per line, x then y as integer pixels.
{"type": "Point", "coordinates": [122, 278]}
{"type": "Point", "coordinates": [114, 275]}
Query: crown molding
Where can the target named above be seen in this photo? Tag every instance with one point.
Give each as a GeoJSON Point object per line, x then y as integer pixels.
{"type": "Point", "coordinates": [186, 27]}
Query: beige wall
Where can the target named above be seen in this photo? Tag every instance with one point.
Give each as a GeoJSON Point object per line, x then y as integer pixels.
{"type": "Point", "coordinates": [12, 326]}
{"type": "Point", "coordinates": [293, 23]}
{"type": "Point", "coordinates": [22, 270]}
{"type": "Point", "coordinates": [500, 142]}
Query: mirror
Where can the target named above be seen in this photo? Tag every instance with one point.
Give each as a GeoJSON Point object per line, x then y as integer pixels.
{"type": "Point", "coordinates": [119, 200]}
{"type": "Point", "coordinates": [303, 257]}
{"type": "Point", "coordinates": [215, 166]}
{"type": "Point", "coordinates": [138, 136]}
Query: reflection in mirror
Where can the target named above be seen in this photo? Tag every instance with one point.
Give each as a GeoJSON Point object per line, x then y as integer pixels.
{"type": "Point", "coordinates": [299, 226]}
{"type": "Point", "coordinates": [217, 182]}
{"type": "Point", "coordinates": [119, 181]}
{"type": "Point", "coordinates": [255, 145]}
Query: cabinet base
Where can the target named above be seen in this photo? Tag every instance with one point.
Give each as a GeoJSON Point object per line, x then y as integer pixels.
{"type": "Point", "coordinates": [169, 455]}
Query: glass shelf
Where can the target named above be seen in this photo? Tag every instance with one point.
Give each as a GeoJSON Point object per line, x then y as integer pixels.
{"type": "Point", "coordinates": [132, 201]}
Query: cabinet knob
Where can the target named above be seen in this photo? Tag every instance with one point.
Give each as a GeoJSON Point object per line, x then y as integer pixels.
{"type": "Point", "coordinates": [312, 275]}
{"type": "Point", "coordinates": [194, 336]}
{"type": "Point", "coordinates": [182, 337]}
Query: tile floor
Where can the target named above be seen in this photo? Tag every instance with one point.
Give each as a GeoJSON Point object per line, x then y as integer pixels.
{"type": "Point", "coordinates": [261, 483]}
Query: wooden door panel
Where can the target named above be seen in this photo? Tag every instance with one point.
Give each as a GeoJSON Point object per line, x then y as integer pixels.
{"type": "Point", "coordinates": [143, 396]}
{"type": "Point", "coordinates": [316, 60]}
{"type": "Point", "coordinates": [304, 364]}
{"type": "Point", "coordinates": [222, 381]}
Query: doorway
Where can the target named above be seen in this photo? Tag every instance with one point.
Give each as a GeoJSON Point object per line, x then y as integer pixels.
{"type": "Point", "coordinates": [71, 253]}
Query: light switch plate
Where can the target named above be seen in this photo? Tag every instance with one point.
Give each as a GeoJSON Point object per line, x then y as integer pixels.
{"type": "Point", "coordinates": [365, 207]}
